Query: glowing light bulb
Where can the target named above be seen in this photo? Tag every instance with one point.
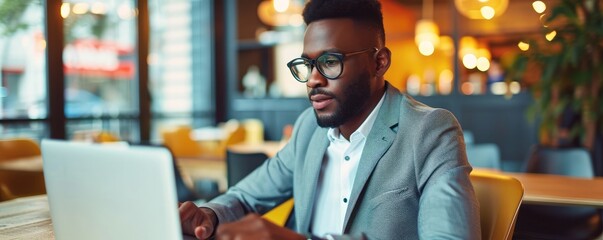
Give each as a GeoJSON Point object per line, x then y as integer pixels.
{"type": "Point", "coordinates": [280, 5]}
{"type": "Point", "coordinates": [65, 10]}
{"type": "Point", "coordinates": [523, 46]}
{"type": "Point", "coordinates": [550, 36]}
{"type": "Point", "coordinates": [80, 8]}
{"type": "Point", "coordinates": [470, 61]}
{"type": "Point", "coordinates": [98, 8]}
{"type": "Point", "coordinates": [515, 87]}
{"type": "Point", "coordinates": [487, 12]}
{"type": "Point", "coordinates": [483, 64]}
{"type": "Point", "coordinates": [426, 48]}
{"type": "Point", "coordinates": [539, 6]}
{"type": "Point", "coordinates": [543, 19]}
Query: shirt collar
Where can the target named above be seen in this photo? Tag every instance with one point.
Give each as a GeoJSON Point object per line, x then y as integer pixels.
{"type": "Point", "coordinates": [364, 129]}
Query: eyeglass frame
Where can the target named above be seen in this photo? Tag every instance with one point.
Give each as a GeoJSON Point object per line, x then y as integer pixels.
{"type": "Point", "coordinates": [339, 56]}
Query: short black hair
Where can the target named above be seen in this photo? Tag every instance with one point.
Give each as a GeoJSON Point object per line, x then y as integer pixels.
{"type": "Point", "coordinates": [365, 11]}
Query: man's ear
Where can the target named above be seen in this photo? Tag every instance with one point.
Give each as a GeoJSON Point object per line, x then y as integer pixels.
{"type": "Point", "coordinates": [383, 60]}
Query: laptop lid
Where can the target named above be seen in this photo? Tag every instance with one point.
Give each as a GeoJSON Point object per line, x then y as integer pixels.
{"type": "Point", "coordinates": [110, 192]}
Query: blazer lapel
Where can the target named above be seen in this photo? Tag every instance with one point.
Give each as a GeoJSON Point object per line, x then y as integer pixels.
{"type": "Point", "coordinates": [312, 166]}
{"type": "Point", "coordinates": [380, 138]}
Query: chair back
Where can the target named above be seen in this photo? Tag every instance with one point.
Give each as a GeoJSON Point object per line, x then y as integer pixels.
{"type": "Point", "coordinates": [239, 165]}
{"type": "Point", "coordinates": [106, 137]}
{"type": "Point", "coordinates": [484, 155]}
{"type": "Point", "coordinates": [17, 183]}
{"type": "Point", "coordinates": [280, 214]}
{"type": "Point", "coordinates": [468, 137]}
{"type": "Point", "coordinates": [18, 148]}
{"type": "Point", "coordinates": [179, 141]}
{"type": "Point", "coordinates": [573, 162]}
{"type": "Point", "coordinates": [499, 198]}
{"type": "Point", "coordinates": [254, 131]}
{"type": "Point", "coordinates": [235, 133]}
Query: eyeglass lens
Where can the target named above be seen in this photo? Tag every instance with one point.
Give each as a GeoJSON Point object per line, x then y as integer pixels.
{"type": "Point", "coordinates": [328, 65]}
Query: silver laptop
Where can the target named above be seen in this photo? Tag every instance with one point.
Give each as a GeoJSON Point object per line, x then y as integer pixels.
{"type": "Point", "coordinates": [110, 192]}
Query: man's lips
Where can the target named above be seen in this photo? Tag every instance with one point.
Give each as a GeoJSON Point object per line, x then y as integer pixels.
{"type": "Point", "coordinates": [320, 101]}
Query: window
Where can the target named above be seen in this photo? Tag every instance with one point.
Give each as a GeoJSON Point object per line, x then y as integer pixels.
{"type": "Point", "coordinates": [100, 67]}
{"type": "Point", "coordinates": [180, 64]}
{"type": "Point", "coordinates": [22, 69]}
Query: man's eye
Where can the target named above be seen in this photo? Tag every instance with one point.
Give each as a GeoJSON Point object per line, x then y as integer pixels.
{"type": "Point", "coordinates": [331, 62]}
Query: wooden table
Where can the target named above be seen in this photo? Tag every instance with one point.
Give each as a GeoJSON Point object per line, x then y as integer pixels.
{"type": "Point", "coordinates": [548, 189]}
{"type": "Point", "coordinates": [270, 148]}
{"type": "Point", "coordinates": [26, 218]}
{"type": "Point", "coordinates": [215, 169]}
{"type": "Point", "coordinates": [29, 218]}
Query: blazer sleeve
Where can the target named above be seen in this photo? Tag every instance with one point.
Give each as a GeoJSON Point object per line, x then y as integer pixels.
{"type": "Point", "coordinates": [264, 188]}
{"type": "Point", "coordinates": [448, 208]}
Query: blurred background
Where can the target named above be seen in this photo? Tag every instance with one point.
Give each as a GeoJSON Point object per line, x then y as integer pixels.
{"type": "Point", "coordinates": [136, 68]}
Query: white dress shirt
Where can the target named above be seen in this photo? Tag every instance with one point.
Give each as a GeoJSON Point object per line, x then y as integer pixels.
{"type": "Point", "coordinates": [338, 171]}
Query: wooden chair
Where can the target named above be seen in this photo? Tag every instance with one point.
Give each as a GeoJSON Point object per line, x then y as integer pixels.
{"type": "Point", "coordinates": [18, 148]}
{"type": "Point", "coordinates": [19, 183]}
{"type": "Point", "coordinates": [499, 198]}
{"type": "Point", "coordinates": [234, 133]}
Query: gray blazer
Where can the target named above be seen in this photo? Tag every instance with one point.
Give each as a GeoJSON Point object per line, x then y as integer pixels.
{"type": "Point", "coordinates": [412, 180]}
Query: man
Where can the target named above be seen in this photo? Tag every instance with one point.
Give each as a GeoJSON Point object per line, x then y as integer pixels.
{"type": "Point", "coordinates": [364, 162]}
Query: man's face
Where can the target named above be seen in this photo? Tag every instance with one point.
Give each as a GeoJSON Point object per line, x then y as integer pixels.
{"type": "Point", "coordinates": [337, 101]}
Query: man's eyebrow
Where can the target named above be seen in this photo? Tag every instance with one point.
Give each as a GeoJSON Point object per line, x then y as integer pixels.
{"type": "Point", "coordinates": [330, 50]}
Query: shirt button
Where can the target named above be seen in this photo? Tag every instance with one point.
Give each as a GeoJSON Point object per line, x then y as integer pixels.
{"type": "Point", "coordinates": [347, 158]}
{"type": "Point", "coordinates": [345, 200]}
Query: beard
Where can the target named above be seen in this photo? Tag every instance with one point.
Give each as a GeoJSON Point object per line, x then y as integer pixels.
{"type": "Point", "coordinates": [357, 94]}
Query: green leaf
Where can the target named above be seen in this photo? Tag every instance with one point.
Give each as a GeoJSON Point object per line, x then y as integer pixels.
{"type": "Point", "coordinates": [549, 67]}
{"type": "Point", "coordinates": [582, 77]}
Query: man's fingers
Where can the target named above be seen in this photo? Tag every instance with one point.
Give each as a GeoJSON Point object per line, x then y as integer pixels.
{"type": "Point", "coordinates": [187, 209]}
{"type": "Point", "coordinates": [203, 232]}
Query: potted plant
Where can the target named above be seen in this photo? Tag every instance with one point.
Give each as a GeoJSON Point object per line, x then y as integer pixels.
{"type": "Point", "coordinates": [567, 61]}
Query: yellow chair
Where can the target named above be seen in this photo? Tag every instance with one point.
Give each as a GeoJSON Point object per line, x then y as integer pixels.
{"type": "Point", "coordinates": [95, 136]}
{"type": "Point", "coordinates": [106, 137]}
{"type": "Point", "coordinates": [19, 183]}
{"type": "Point", "coordinates": [179, 141]}
{"type": "Point", "coordinates": [499, 197]}
{"type": "Point", "coordinates": [234, 133]}
{"type": "Point", "coordinates": [254, 131]}
{"type": "Point", "coordinates": [280, 213]}
{"type": "Point", "coordinates": [18, 148]}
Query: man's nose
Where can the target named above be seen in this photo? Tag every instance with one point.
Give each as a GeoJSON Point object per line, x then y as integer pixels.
{"type": "Point", "coordinates": [316, 79]}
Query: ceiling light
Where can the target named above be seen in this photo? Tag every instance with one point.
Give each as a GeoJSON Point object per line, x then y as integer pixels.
{"type": "Point", "coordinates": [523, 46]}
{"type": "Point", "coordinates": [550, 36]}
{"type": "Point", "coordinates": [474, 9]}
{"type": "Point", "coordinates": [539, 6]}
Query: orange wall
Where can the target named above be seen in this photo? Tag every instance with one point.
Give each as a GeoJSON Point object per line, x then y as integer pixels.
{"type": "Point", "coordinates": [399, 22]}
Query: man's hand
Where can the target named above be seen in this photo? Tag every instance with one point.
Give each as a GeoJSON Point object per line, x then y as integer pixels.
{"type": "Point", "coordinates": [198, 222]}
{"type": "Point", "coordinates": [254, 227]}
